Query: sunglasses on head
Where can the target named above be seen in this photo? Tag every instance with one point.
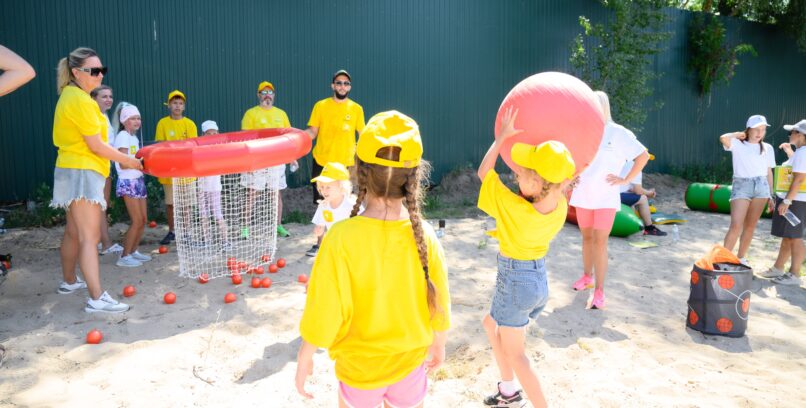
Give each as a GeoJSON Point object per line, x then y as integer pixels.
{"type": "Point", "coordinates": [267, 92]}
{"type": "Point", "coordinates": [94, 71]}
{"type": "Point", "coordinates": [345, 83]}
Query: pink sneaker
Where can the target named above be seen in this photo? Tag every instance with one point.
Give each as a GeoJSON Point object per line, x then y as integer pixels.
{"type": "Point", "coordinates": [598, 299]}
{"type": "Point", "coordinates": [585, 282]}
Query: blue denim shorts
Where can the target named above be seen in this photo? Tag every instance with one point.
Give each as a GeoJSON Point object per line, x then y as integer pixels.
{"type": "Point", "coordinates": [750, 188]}
{"type": "Point", "coordinates": [521, 291]}
{"type": "Point", "coordinates": [77, 184]}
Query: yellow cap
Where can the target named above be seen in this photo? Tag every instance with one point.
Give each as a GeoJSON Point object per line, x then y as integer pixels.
{"type": "Point", "coordinates": [391, 129]}
{"type": "Point", "coordinates": [174, 94]}
{"type": "Point", "coordinates": [651, 156]}
{"type": "Point", "coordinates": [265, 84]}
{"type": "Point", "coordinates": [551, 160]}
{"type": "Point", "coordinates": [331, 172]}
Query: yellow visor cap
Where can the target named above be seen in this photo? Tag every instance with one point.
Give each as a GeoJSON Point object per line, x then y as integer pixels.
{"type": "Point", "coordinates": [265, 84]}
{"type": "Point", "coordinates": [331, 172]}
{"type": "Point", "coordinates": [551, 160]}
{"type": "Point", "coordinates": [391, 129]}
{"type": "Point", "coordinates": [174, 94]}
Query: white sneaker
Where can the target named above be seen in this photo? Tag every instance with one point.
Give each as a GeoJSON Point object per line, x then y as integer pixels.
{"type": "Point", "coordinates": [773, 272]}
{"type": "Point", "coordinates": [111, 250]}
{"type": "Point", "coordinates": [787, 279]}
{"type": "Point", "coordinates": [140, 257]}
{"type": "Point", "coordinates": [68, 288]}
{"type": "Point", "coordinates": [105, 303]}
{"type": "Point", "coordinates": [128, 261]}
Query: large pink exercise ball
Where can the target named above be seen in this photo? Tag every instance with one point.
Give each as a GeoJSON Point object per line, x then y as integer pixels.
{"type": "Point", "coordinates": [555, 106]}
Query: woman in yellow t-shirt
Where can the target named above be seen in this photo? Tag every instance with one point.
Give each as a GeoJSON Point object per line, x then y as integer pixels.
{"type": "Point", "coordinates": [526, 224]}
{"type": "Point", "coordinates": [80, 133]}
{"type": "Point", "coordinates": [378, 296]}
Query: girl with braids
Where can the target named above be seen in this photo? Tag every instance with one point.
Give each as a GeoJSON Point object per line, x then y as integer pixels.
{"type": "Point", "coordinates": [378, 296]}
{"type": "Point", "coordinates": [526, 224]}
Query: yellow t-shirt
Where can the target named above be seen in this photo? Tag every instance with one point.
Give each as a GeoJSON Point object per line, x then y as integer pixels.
{"type": "Point", "coordinates": [169, 129]}
{"type": "Point", "coordinates": [522, 232]}
{"type": "Point", "coordinates": [259, 118]}
{"type": "Point", "coordinates": [337, 123]}
{"type": "Point", "coordinates": [77, 115]}
{"type": "Point", "coordinates": [367, 300]}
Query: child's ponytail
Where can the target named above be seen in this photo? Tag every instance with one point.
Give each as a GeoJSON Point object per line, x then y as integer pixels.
{"type": "Point", "coordinates": [412, 201]}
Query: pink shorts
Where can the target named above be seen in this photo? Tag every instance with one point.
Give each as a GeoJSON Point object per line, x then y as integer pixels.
{"type": "Point", "coordinates": [408, 392]}
{"type": "Point", "coordinates": [600, 219]}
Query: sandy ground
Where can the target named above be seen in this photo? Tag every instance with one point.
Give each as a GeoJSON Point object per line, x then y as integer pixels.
{"type": "Point", "coordinates": [202, 352]}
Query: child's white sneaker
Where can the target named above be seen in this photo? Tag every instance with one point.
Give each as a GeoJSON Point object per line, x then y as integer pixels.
{"type": "Point", "coordinates": [128, 261]}
{"type": "Point", "coordinates": [68, 288]}
{"type": "Point", "coordinates": [140, 257]}
{"type": "Point", "coordinates": [105, 304]}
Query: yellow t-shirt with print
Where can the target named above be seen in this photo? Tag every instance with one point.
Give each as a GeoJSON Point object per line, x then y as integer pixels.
{"type": "Point", "coordinates": [259, 118]}
{"type": "Point", "coordinates": [367, 302]}
{"type": "Point", "coordinates": [522, 232]}
{"type": "Point", "coordinates": [337, 123]}
{"type": "Point", "coordinates": [169, 129]}
{"type": "Point", "coordinates": [77, 115]}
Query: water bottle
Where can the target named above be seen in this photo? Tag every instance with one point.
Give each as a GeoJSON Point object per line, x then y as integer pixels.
{"type": "Point", "coordinates": [791, 217]}
{"type": "Point", "coordinates": [293, 167]}
{"type": "Point", "coordinates": [441, 229]}
{"type": "Point", "coordinates": [675, 233]}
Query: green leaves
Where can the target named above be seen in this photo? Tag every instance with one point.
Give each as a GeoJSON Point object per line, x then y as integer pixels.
{"type": "Point", "coordinates": [711, 58]}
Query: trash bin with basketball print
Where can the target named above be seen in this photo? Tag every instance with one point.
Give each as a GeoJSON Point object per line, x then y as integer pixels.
{"type": "Point", "coordinates": [719, 299]}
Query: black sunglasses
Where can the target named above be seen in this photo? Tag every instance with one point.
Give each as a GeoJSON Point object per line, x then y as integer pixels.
{"type": "Point", "coordinates": [345, 83]}
{"type": "Point", "coordinates": [94, 71]}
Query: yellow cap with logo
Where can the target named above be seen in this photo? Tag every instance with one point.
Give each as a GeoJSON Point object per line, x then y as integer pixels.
{"type": "Point", "coordinates": [332, 171]}
{"type": "Point", "coordinates": [391, 129]}
{"type": "Point", "coordinates": [265, 84]}
{"type": "Point", "coordinates": [551, 160]}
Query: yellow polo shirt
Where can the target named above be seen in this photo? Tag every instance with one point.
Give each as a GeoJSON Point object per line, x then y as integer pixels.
{"type": "Point", "coordinates": [522, 232]}
{"type": "Point", "coordinates": [367, 300]}
{"type": "Point", "coordinates": [169, 129]}
{"type": "Point", "coordinates": [259, 118]}
{"type": "Point", "coordinates": [77, 115]}
{"type": "Point", "coordinates": [337, 123]}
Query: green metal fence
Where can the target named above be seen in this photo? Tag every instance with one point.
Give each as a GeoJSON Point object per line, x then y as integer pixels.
{"type": "Point", "coordinates": [447, 63]}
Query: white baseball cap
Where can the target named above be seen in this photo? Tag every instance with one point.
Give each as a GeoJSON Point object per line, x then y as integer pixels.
{"type": "Point", "coordinates": [209, 124]}
{"type": "Point", "coordinates": [800, 127]}
{"type": "Point", "coordinates": [756, 121]}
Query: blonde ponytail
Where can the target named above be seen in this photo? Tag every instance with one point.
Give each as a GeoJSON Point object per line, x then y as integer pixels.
{"type": "Point", "coordinates": [64, 73]}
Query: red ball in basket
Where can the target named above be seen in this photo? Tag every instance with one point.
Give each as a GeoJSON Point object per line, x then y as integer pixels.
{"type": "Point", "coordinates": [555, 106]}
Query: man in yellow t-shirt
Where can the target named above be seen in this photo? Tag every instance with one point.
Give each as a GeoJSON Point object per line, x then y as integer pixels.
{"type": "Point", "coordinates": [333, 124]}
{"type": "Point", "coordinates": [173, 127]}
{"type": "Point", "coordinates": [265, 116]}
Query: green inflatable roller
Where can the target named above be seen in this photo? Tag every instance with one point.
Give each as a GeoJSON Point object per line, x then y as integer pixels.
{"type": "Point", "coordinates": [626, 223]}
{"type": "Point", "coordinates": [711, 198]}
{"type": "Point", "coordinates": [708, 197]}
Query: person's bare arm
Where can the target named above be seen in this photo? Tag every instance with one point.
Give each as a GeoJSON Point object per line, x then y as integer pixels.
{"type": "Point", "coordinates": [312, 131]}
{"type": "Point", "coordinates": [17, 72]}
{"type": "Point", "coordinates": [99, 148]}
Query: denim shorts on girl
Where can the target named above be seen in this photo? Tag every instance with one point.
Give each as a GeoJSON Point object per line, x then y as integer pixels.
{"type": "Point", "coordinates": [521, 291]}
{"type": "Point", "coordinates": [134, 188]}
{"type": "Point", "coordinates": [748, 188]}
{"type": "Point", "coordinates": [408, 392]}
{"type": "Point", "coordinates": [77, 184]}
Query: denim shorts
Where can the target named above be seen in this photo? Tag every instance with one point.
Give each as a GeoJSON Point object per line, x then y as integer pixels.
{"type": "Point", "coordinates": [750, 188]}
{"type": "Point", "coordinates": [521, 291]}
{"type": "Point", "coordinates": [77, 184]}
{"type": "Point", "coordinates": [134, 188]}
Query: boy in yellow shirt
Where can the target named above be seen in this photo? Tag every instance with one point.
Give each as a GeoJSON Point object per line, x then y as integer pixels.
{"type": "Point", "coordinates": [526, 224]}
{"type": "Point", "coordinates": [378, 297]}
{"type": "Point", "coordinates": [173, 127]}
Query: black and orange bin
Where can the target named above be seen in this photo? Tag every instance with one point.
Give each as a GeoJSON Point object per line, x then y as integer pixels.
{"type": "Point", "coordinates": [719, 298]}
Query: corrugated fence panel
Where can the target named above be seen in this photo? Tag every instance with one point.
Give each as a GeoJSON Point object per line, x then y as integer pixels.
{"type": "Point", "coordinates": [447, 63]}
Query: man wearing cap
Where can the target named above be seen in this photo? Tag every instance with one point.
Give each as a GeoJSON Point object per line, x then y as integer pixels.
{"type": "Point", "coordinates": [173, 127]}
{"type": "Point", "coordinates": [266, 116]}
{"type": "Point", "coordinates": [333, 124]}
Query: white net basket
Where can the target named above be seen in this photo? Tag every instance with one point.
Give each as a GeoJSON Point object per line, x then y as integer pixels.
{"type": "Point", "coordinates": [226, 224]}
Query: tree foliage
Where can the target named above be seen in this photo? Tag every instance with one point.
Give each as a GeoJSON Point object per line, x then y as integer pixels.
{"type": "Point", "coordinates": [616, 56]}
{"type": "Point", "coordinates": [710, 57]}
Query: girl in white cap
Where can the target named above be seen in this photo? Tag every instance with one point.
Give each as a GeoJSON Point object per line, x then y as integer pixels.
{"type": "Point", "coordinates": [753, 161]}
{"type": "Point", "coordinates": [132, 187]}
